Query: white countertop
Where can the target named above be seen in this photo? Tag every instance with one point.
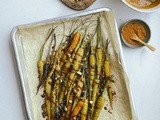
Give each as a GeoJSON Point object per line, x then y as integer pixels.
{"type": "Point", "coordinates": [143, 66]}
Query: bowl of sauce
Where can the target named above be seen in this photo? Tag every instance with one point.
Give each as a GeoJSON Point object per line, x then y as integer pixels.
{"type": "Point", "coordinates": [143, 5]}
{"type": "Point", "coordinates": [138, 27]}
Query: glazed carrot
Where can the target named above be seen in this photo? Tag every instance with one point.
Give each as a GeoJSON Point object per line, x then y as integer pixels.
{"type": "Point", "coordinates": [66, 65]}
{"type": "Point", "coordinates": [46, 70]}
{"type": "Point", "coordinates": [93, 87]}
{"type": "Point", "coordinates": [79, 87]}
{"type": "Point", "coordinates": [107, 68]}
{"type": "Point", "coordinates": [74, 43]}
{"type": "Point", "coordinates": [48, 88]}
{"type": "Point", "coordinates": [99, 55]}
{"type": "Point", "coordinates": [55, 82]}
{"type": "Point", "coordinates": [86, 94]}
{"type": "Point", "coordinates": [72, 75]}
{"type": "Point", "coordinates": [48, 97]}
{"type": "Point", "coordinates": [55, 60]}
{"type": "Point", "coordinates": [76, 65]}
{"type": "Point", "coordinates": [53, 101]}
{"type": "Point", "coordinates": [76, 110]}
{"type": "Point", "coordinates": [53, 96]}
{"type": "Point", "coordinates": [98, 107]}
{"type": "Point", "coordinates": [78, 91]}
{"type": "Point", "coordinates": [65, 70]}
{"type": "Point", "coordinates": [61, 96]}
{"type": "Point", "coordinates": [78, 56]}
{"type": "Point", "coordinates": [94, 93]}
{"type": "Point", "coordinates": [92, 68]}
{"type": "Point", "coordinates": [71, 48]}
{"type": "Point", "coordinates": [99, 59]}
{"type": "Point", "coordinates": [70, 59]}
{"type": "Point", "coordinates": [69, 106]}
{"type": "Point", "coordinates": [84, 110]}
{"type": "Point", "coordinates": [99, 51]}
{"type": "Point", "coordinates": [74, 69]}
{"type": "Point", "coordinates": [92, 64]}
{"type": "Point", "coordinates": [40, 65]}
{"type": "Point", "coordinates": [40, 62]}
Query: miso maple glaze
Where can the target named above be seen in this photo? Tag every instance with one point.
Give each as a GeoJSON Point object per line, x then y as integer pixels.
{"type": "Point", "coordinates": [144, 4]}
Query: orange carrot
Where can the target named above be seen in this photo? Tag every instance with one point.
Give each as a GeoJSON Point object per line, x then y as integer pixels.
{"type": "Point", "coordinates": [76, 110]}
{"type": "Point", "coordinates": [74, 43]}
{"type": "Point", "coordinates": [71, 48]}
{"type": "Point", "coordinates": [69, 106]}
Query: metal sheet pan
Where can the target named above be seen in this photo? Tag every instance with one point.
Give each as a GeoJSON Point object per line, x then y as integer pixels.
{"type": "Point", "coordinates": [20, 64]}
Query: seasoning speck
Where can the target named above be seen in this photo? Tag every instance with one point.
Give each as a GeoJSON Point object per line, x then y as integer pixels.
{"type": "Point", "coordinates": [105, 108]}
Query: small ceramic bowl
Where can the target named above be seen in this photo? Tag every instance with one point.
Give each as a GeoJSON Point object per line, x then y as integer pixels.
{"type": "Point", "coordinates": [153, 9]}
{"type": "Point", "coordinates": [146, 27]}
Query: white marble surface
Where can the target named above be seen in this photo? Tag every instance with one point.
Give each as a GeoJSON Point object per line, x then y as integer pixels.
{"type": "Point", "coordinates": [143, 65]}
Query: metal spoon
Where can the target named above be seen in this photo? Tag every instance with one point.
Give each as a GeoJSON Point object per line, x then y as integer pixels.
{"type": "Point", "coordinates": [136, 38]}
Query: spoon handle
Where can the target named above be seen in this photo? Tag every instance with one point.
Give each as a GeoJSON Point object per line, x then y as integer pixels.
{"type": "Point", "coordinates": [147, 45]}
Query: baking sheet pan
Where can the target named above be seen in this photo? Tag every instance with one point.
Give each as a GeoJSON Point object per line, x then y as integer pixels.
{"type": "Point", "coordinates": [19, 44]}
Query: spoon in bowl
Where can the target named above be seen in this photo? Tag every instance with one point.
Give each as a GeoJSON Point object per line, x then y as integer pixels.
{"type": "Point", "coordinates": [136, 38]}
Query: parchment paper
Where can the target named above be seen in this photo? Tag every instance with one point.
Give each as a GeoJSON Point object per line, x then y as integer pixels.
{"type": "Point", "coordinates": [29, 40]}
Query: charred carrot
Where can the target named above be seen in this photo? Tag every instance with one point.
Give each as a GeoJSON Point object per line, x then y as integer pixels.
{"type": "Point", "coordinates": [78, 91]}
{"type": "Point", "coordinates": [71, 48]}
{"type": "Point", "coordinates": [92, 64]}
{"type": "Point", "coordinates": [81, 83]}
{"type": "Point", "coordinates": [94, 93]}
{"type": "Point", "coordinates": [84, 110]}
{"type": "Point", "coordinates": [76, 110]}
{"type": "Point", "coordinates": [52, 76]}
{"type": "Point", "coordinates": [74, 69]}
{"type": "Point", "coordinates": [46, 66]}
{"type": "Point", "coordinates": [99, 62]}
{"type": "Point", "coordinates": [53, 101]}
{"type": "Point", "coordinates": [65, 70]}
{"type": "Point", "coordinates": [99, 59]}
{"type": "Point", "coordinates": [76, 65]}
{"type": "Point", "coordinates": [70, 59]}
{"type": "Point", "coordinates": [40, 62]}
{"type": "Point", "coordinates": [77, 60]}
{"type": "Point", "coordinates": [98, 107]}
{"type": "Point", "coordinates": [99, 51]}
{"type": "Point", "coordinates": [48, 89]}
{"type": "Point", "coordinates": [66, 65]}
{"type": "Point", "coordinates": [69, 106]}
{"type": "Point", "coordinates": [40, 65]}
{"type": "Point", "coordinates": [85, 95]}
{"type": "Point", "coordinates": [107, 68]}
